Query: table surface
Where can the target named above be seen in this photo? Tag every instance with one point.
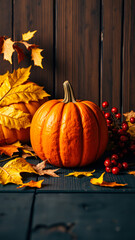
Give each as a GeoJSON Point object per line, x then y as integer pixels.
{"type": "Point", "coordinates": [68, 207]}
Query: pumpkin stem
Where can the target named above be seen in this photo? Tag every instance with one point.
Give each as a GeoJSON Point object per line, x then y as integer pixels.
{"type": "Point", "coordinates": [68, 93]}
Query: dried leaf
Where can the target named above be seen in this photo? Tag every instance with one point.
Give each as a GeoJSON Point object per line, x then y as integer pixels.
{"type": "Point", "coordinates": [27, 153]}
{"type": "Point", "coordinates": [32, 184]}
{"type": "Point", "coordinates": [20, 53]}
{"type": "Point", "coordinates": [13, 118]}
{"type": "Point", "coordinates": [77, 174]}
{"type": "Point", "coordinates": [36, 56]}
{"type": "Point", "coordinates": [39, 169]}
{"type": "Point", "coordinates": [99, 181]}
{"type": "Point", "coordinates": [10, 172]}
{"type": "Point", "coordinates": [132, 173]}
{"type": "Point", "coordinates": [8, 149]}
{"type": "Point", "coordinates": [7, 49]}
{"type": "Point", "coordinates": [24, 93]}
{"type": "Point", "coordinates": [29, 45]}
{"type": "Point", "coordinates": [27, 36]}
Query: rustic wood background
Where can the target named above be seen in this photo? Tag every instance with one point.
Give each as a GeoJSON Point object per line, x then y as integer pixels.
{"type": "Point", "coordinates": [89, 42]}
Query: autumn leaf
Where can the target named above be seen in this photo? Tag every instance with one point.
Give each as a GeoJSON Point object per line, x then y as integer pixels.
{"type": "Point", "coordinates": [4, 77]}
{"type": "Point", "coordinates": [131, 130]}
{"type": "Point", "coordinates": [13, 118]}
{"type": "Point", "coordinates": [27, 36]}
{"type": "Point", "coordinates": [32, 184]}
{"type": "Point", "coordinates": [132, 173]}
{"type": "Point", "coordinates": [77, 174]}
{"type": "Point", "coordinates": [39, 169]}
{"type": "Point", "coordinates": [99, 181]}
{"type": "Point", "coordinates": [29, 46]}
{"type": "Point", "coordinates": [24, 93]}
{"type": "Point", "coordinates": [19, 76]}
{"type": "Point", "coordinates": [20, 53]}
{"type": "Point", "coordinates": [1, 43]}
{"type": "Point", "coordinates": [8, 149]}
{"type": "Point", "coordinates": [36, 56]}
{"type": "Point", "coordinates": [10, 172]}
{"type": "Point", "coordinates": [7, 49]}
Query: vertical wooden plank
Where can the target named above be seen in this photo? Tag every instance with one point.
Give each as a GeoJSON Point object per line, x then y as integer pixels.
{"type": "Point", "coordinates": [112, 31]}
{"type": "Point", "coordinates": [5, 30]}
{"type": "Point", "coordinates": [77, 47]}
{"type": "Point", "coordinates": [129, 56]}
{"type": "Point", "coordinates": [37, 15]}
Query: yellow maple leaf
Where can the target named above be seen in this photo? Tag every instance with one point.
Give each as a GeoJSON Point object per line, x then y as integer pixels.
{"type": "Point", "coordinates": [27, 36]}
{"type": "Point", "coordinates": [23, 93]}
{"type": "Point", "coordinates": [19, 76]}
{"type": "Point", "coordinates": [32, 184]}
{"type": "Point", "coordinates": [13, 118]}
{"type": "Point", "coordinates": [10, 172]}
{"type": "Point", "coordinates": [7, 49]}
{"type": "Point", "coordinates": [3, 77]}
{"type": "Point", "coordinates": [36, 56]}
{"type": "Point", "coordinates": [99, 181]}
{"type": "Point", "coordinates": [77, 174]}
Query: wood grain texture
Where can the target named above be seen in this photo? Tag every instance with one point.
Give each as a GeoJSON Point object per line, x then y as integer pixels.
{"type": "Point", "coordinates": [5, 30]}
{"type": "Point", "coordinates": [111, 65]}
{"type": "Point", "coordinates": [15, 212]}
{"type": "Point", "coordinates": [129, 56]}
{"type": "Point", "coordinates": [37, 15]}
{"type": "Point", "coordinates": [83, 216]}
{"type": "Point", "coordinates": [77, 47]}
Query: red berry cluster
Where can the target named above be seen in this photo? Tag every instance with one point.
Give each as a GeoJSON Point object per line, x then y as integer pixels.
{"type": "Point", "coordinates": [120, 139]}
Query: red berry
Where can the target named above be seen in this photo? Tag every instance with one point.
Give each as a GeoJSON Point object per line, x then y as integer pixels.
{"type": "Point", "coordinates": [115, 156]}
{"type": "Point", "coordinates": [125, 165]}
{"type": "Point", "coordinates": [132, 147]}
{"type": "Point", "coordinates": [109, 126]}
{"type": "Point", "coordinates": [107, 115]}
{"type": "Point", "coordinates": [123, 138]}
{"type": "Point", "coordinates": [109, 121]}
{"type": "Point", "coordinates": [114, 130]}
{"type": "Point", "coordinates": [105, 104]}
{"type": "Point", "coordinates": [125, 126]}
{"type": "Point", "coordinates": [107, 162]}
{"type": "Point", "coordinates": [115, 170]}
{"type": "Point", "coordinates": [121, 144]}
{"type": "Point", "coordinates": [121, 132]}
{"type": "Point", "coordinates": [132, 120]}
{"type": "Point", "coordinates": [119, 165]}
{"type": "Point", "coordinates": [114, 110]}
{"type": "Point", "coordinates": [118, 116]}
{"type": "Point", "coordinates": [114, 162]}
{"type": "Point", "coordinates": [108, 169]}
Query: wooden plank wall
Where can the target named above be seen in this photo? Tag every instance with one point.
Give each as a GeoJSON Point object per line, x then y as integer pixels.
{"type": "Point", "coordinates": [89, 42]}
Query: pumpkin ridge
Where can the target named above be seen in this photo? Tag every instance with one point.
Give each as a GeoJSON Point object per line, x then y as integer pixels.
{"type": "Point", "coordinates": [61, 162]}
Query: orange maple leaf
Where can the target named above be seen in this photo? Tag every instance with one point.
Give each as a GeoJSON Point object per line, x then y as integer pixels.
{"type": "Point", "coordinates": [32, 184]}
{"type": "Point", "coordinates": [36, 56]}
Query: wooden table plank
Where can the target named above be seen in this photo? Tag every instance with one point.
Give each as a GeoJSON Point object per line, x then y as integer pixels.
{"type": "Point", "coordinates": [79, 216]}
{"type": "Point", "coordinates": [15, 213]}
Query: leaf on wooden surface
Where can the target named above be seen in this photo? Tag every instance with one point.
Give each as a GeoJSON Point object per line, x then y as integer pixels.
{"type": "Point", "coordinates": [131, 130]}
{"type": "Point", "coordinates": [26, 153]}
{"type": "Point", "coordinates": [131, 173]}
{"type": "Point", "coordinates": [20, 53]}
{"type": "Point", "coordinates": [7, 49]}
{"type": "Point", "coordinates": [23, 93]}
{"type": "Point", "coordinates": [40, 169]}
{"type": "Point", "coordinates": [8, 149]}
{"type": "Point", "coordinates": [36, 56]}
{"type": "Point", "coordinates": [13, 118]}
{"type": "Point", "coordinates": [10, 172]}
{"type": "Point", "coordinates": [77, 174]}
{"type": "Point", "coordinates": [27, 36]}
{"type": "Point", "coordinates": [100, 182]}
{"type": "Point", "coordinates": [32, 184]}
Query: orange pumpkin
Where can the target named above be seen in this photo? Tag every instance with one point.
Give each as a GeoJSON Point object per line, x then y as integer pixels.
{"type": "Point", "coordinates": [23, 135]}
{"type": "Point", "coordinates": [67, 132]}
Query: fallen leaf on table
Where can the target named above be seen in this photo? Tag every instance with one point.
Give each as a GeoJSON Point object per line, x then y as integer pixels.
{"type": "Point", "coordinates": [99, 181]}
{"type": "Point", "coordinates": [36, 56]}
{"type": "Point", "coordinates": [10, 172]}
{"type": "Point", "coordinates": [132, 173]}
{"type": "Point", "coordinates": [32, 184]}
{"type": "Point", "coordinates": [26, 153]}
{"type": "Point", "coordinates": [40, 169]}
{"type": "Point", "coordinates": [27, 36]}
{"type": "Point", "coordinates": [8, 149]}
{"type": "Point", "coordinates": [76, 174]}
{"type": "Point", "coordinates": [7, 49]}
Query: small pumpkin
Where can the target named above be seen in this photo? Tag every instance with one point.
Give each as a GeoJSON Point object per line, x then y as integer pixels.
{"type": "Point", "coordinates": [67, 132]}
{"type": "Point", "coordinates": [8, 136]}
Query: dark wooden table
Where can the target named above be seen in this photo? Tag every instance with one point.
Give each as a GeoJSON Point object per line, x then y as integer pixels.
{"type": "Point", "coordinates": [69, 208]}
